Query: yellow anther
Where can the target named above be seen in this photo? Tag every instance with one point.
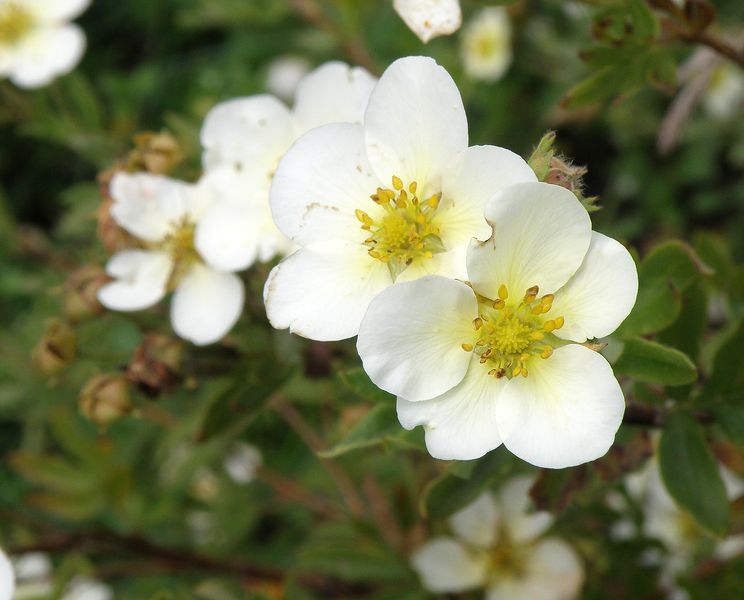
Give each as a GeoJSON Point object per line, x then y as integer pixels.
{"type": "Point", "coordinates": [483, 359]}
{"type": "Point", "coordinates": [503, 292]}
{"type": "Point", "coordinates": [537, 309]}
{"type": "Point", "coordinates": [524, 372]}
{"type": "Point", "coordinates": [547, 300]}
{"type": "Point", "coordinates": [524, 357]}
{"type": "Point", "coordinates": [537, 335]}
{"type": "Point", "coordinates": [467, 347]}
{"type": "Point", "coordinates": [484, 317]}
{"type": "Point", "coordinates": [531, 294]}
{"type": "Point", "coordinates": [412, 187]}
{"type": "Point", "coordinates": [374, 254]}
{"type": "Point", "coordinates": [559, 322]}
{"type": "Point", "coordinates": [549, 325]}
{"type": "Point", "coordinates": [516, 371]}
{"type": "Point", "coordinates": [477, 323]}
{"type": "Point", "coordinates": [433, 201]}
{"type": "Point", "coordinates": [499, 304]}
{"type": "Point", "coordinates": [362, 216]}
{"type": "Point", "coordinates": [493, 372]}
{"type": "Point", "coordinates": [547, 352]}
{"type": "Point", "coordinates": [488, 352]}
{"type": "Point", "coordinates": [397, 183]}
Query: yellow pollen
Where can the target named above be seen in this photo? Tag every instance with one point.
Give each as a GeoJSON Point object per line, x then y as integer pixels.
{"type": "Point", "coordinates": [512, 334]}
{"type": "Point", "coordinates": [15, 23]}
{"type": "Point", "coordinates": [405, 231]}
{"type": "Point", "coordinates": [179, 244]}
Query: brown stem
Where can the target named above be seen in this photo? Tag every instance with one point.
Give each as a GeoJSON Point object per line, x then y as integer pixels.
{"type": "Point", "coordinates": [382, 513]}
{"type": "Point", "coordinates": [716, 44]}
{"type": "Point", "coordinates": [306, 433]}
{"type": "Point", "coordinates": [312, 12]}
{"type": "Point", "coordinates": [287, 489]}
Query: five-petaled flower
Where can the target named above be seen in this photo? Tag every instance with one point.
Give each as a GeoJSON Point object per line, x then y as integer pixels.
{"type": "Point", "coordinates": [396, 198]}
{"type": "Point", "coordinates": [500, 547]}
{"type": "Point", "coordinates": [162, 214]}
{"type": "Point", "coordinates": [244, 139]}
{"type": "Point", "coordinates": [37, 41]}
{"type": "Point", "coordinates": [500, 359]}
{"type": "Point", "coordinates": [486, 44]}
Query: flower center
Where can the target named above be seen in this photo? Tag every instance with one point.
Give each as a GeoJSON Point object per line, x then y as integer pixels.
{"type": "Point", "coordinates": [512, 334]}
{"type": "Point", "coordinates": [15, 23]}
{"type": "Point", "coordinates": [507, 559]}
{"type": "Point", "coordinates": [179, 243]}
{"type": "Point", "coordinates": [406, 231]}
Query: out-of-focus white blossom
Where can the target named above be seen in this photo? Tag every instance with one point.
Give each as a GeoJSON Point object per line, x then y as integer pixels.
{"type": "Point", "coordinates": [84, 588]}
{"type": "Point", "coordinates": [163, 214]}
{"type": "Point", "coordinates": [724, 96]}
{"type": "Point", "coordinates": [243, 141]}
{"type": "Point", "coordinates": [430, 18]}
{"type": "Point", "coordinates": [7, 578]}
{"type": "Point", "coordinates": [284, 75]}
{"type": "Point", "coordinates": [487, 45]}
{"type": "Point", "coordinates": [396, 198]}
{"type": "Point", "coordinates": [242, 462]}
{"type": "Point", "coordinates": [37, 40]}
{"type": "Point", "coordinates": [499, 546]}
{"type": "Point", "coordinates": [501, 359]}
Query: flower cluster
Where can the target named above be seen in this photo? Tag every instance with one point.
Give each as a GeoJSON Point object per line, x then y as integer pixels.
{"type": "Point", "coordinates": [500, 546]}
{"type": "Point", "coordinates": [37, 40]}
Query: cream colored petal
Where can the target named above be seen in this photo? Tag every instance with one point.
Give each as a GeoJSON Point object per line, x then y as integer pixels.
{"type": "Point", "coordinates": [444, 566]}
{"type": "Point", "coordinates": [46, 53]}
{"type": "Point", "coordinates": [477, 524]}
{"type": "Point", "coordinates": [430, 18]}
{"type": "Point", "coordinates": [7, 578]}
{"type": "Point", "coordinates": [140, 279]}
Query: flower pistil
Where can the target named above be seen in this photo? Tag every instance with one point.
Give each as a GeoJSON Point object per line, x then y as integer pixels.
{"type": "Point", "coordinates": [15, 22]}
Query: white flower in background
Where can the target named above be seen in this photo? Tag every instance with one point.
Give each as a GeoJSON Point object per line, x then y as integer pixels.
{"type": "Point", "coordinates": [84, 588]}
{"type": "Point", "coordinates": [244, 139]}
{"type": "Point", "coordinates": [664, 520]}
{"type": "Point", "coordinates": [500, 359]}
{"type": "Point", "coordinates": [724, 95]}
{"type": "Point", "coordinates": [37, 42]}
{"type": "Point", "coordinates": [284, 75]}
{"type": "Point", "coordinates": [396, 198]}
{"type": "Point", "coordinates": [242, 463]}
{"type": "Point", "coordinates": [430, 18]}
{"type": "Point", "coordinates": [33, 572]}
{"type": "Point", "coordinates": [7, 579]}
{"type": "Point", "coordinates": [486, 44]}
{"type": "Point", "coordinates": [500, 547]}
{"type": "Point", "coordinates": [163, 214]}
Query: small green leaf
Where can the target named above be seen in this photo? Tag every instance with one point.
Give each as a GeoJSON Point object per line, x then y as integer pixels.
{"type": "Point", "coordinates": [686, 333]}
{"type": "Point", "coordinates": [358, 382]}
{"type": "Point", "coordinates": [378, 426]}
{"type": "Point", "coordinates": [728, 365]}
{"type": "Point", "coordinates": [731, 420]}
{"type": "Point", "coordinates": [449, 493]}
{"type": "Point", "coordinates": [691, 475]}
{"type": "Point", "coordinates": [643, 19]}
{"type": "Point", "coordinates": [652, 362]}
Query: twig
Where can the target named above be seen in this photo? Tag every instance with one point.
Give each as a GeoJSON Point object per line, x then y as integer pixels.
{"type": "Point", "coordinates": [286, 488]}
{"type": "Point", "coordinates": [312, 12]}
{"type": "Point", "coordinates": [298, 424]}
{"type": "Point", "coordinates": [716, 44]}
{"type": "Point", "coordinates": [382, 513]}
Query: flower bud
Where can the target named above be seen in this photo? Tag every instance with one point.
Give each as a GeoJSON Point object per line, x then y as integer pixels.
{"type": "Point", "coordinates": [156, 364]}
{"type": "Point", "coordinates": [158, 153]}
{"type": "Point", "coordinates": [57, 348]}
{"type": "Point", "coordinates": [81, 293]}
{"type": "Point", "coordinates": [105, 399]}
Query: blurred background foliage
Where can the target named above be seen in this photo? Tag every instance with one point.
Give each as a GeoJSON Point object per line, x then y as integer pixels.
{"type": "Point", "coordinates": [147, 503]}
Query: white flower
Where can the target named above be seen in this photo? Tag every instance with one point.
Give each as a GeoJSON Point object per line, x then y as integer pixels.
{"type": "Point", "coordinates": [244, 139]}
{"type": "Point", "coordinates": [7, 578]}
{"type": "Point", "coordinates": [163, 213]}
{"type": "Point", "coordinates": [486, 44]}
{"type": "Point", "coordinates": [501, 360]}
{"type": "Point", "coordinates": [500, 547]}
{"type": "Point", "coordinates": [398, 197]}
{"type": "Point", "coordinates": [724, 96]}
{"type": "Point", "coordinates": [430, 18]}
{"type": "Point", "coordinates": [284, 75]}
{"type": "Point", "coordinates": [37, 42]}
{"type": "Point", "coordinates": [242, 463]}
{"type": "Point", "coordinates": [84, 588]}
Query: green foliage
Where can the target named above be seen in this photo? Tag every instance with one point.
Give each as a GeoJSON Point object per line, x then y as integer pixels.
{"type": "Point", "coordinates": [652, 362]}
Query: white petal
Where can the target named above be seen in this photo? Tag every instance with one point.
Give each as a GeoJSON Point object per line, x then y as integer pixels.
{"type": "Point", "coordinates": [242, 462]}
{"type": "Point", "coordinates": [7, 579]}
{"type": "Point", "coordinates": [46, 53]}
{"type": "Point", "coordinates": [541, 234]}
{"type": "Point", "coordinates": [461, 423]}
{"type": "Point", "coordinates": [284, 75]}
{"type": "Point", "coordinates": [566, 412]}
{"type": "Point", "coordinates": [515, 503]}
{"type": "Point", "coordinates": [600, 295]}
{"type": "Point", "coordinates": [468, 183]}
{"type": "Point", "coordinates": [415, 123]}
{"type": "Point", "coordinates": [446, 566]}
{"type": "Point", "coordinates": [57, 10]}
{"type": "Point", "coordinates": [149, 206]}
{"type": "Point", "coordinates": [411, 336]}
{"type": "Point", "coordinates": [477, 523]}
{"type": "Point", "coordinates": [83, 588]}
{"type": "Point", "coordinates": [319, 184]}
{"type": "Point", "coordinates": [141, 279]}
{"type": "Point", "coordinates": [430, 18]}
{"type": "Point", "coordinates": [227, 236]}
{"type": "Point", "coordinates": [206, 304]}
{"type": "Point", "coordinates": [332, 93]}
{"type": "Point", "coordinates": [249, 134]}
{"type": "Point", "coordinates": [322, 291]}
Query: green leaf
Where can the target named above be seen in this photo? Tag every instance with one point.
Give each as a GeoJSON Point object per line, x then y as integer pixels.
{"type": "Point", "coordinates": [378, 426]}
{"type": "Point", "coordinates": [449, 493]}
{"type": "Point", "coordinates": [728, 365]}
{"type": "Point", "coordinates": [643, 19]}
{"type": "Point", "coordinates": [652, 362]}
{"type": "Point", "coordinates": [686, 333]}
{"type": "Point", "coordinates": [666, 272]}
{"type": "Point", "coordinates": [358, 382]}
{"type": "Point", "coordinates": [731, 419]}
{"type": "Point", "coordinates": [691, 476]}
